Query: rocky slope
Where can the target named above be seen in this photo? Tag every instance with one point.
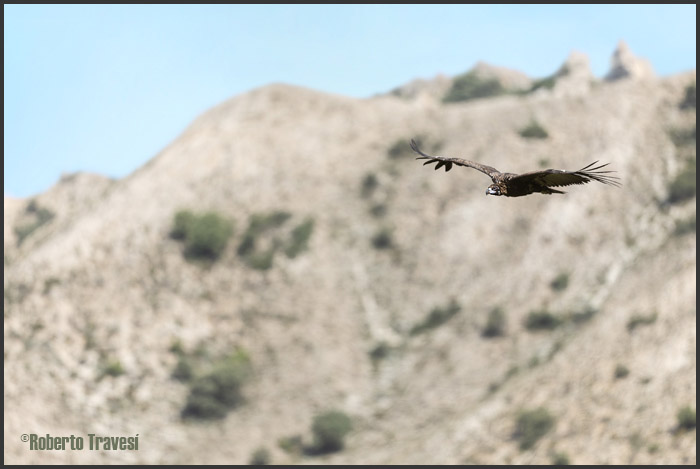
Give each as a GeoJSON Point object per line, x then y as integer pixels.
{"type": "Point", "coordinates": [100, 302]}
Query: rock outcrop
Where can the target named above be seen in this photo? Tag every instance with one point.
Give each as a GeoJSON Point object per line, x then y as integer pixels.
{"type": "Point", "coordinates": [510, 79]}
{"type": "Point", "coordinates": [575, 77]}
{"type": "Point", "coordinates": [625, 64]}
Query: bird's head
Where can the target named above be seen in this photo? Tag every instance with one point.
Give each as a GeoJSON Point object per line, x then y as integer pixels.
{"type": "Point", "coordinates": [493, 189]}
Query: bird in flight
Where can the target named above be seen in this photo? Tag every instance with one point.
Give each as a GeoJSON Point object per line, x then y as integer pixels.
{"type": "Point", "coordinates": [517, 185]}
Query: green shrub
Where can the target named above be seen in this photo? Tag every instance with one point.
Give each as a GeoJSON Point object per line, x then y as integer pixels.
{"type": "Point", "coordinates": [260, 457]}
{"type": "Point", "coordinates": [44, 215]}
{"type": "Point", "coordinates": [495, 324]}
{"type": "Point", "coordinates": [682, 187]}
{"type": "Point", "coordinates": [639, 320]}
{"type": "Point", "coordinates": [212, 395]}
{"type": "Point", "coordinates": [686, 418]}
{"type": "Point", "coordinates": [379, 352]}
{"type": "Point", "coordinates": [560, 282]}
{"type": "Point", "coordinates": [329, 430]}
{"type": "Point", "coordinates": [113, 368]}
{"type": "Point", "coordinates": [49, 283]}
{"type": "Point", "coordinates": [378, 210]}
{"type": "Point", "coordinates": [205, 235]}
{"type": "Point", "coordinates": [560, 459]}
{"type": "Point", "coordinates": [584, 315]}
{"type": "Point", "coordinates": [689, 98]}
{"type": "Point", "coordinates": [369, 184]}
{"type": "Point", "coordinates": [621, 371]}
{"type": "Point", "coordinates": [531, 425]}
{"type": "Point", "coordinates": [261, 260]}
{"type": "Point", "coordinates": [685, 226]}
{"type": "Point", "coordinates": [437, 317]}
{"type": "Point", "coordinates": [247, 245]}
{"type": "Point", "coordinates": [512, 371]}
{"type": "Point", "coordinates": [32, 206]}
{"type": "Point", "coordinates": [258, 224]}
{"type": "Point", "coordinates": [636, 441]}
{"type": "Point", "coordinates": [261, 222]}
{"type": "Point", "coordinates": [546, 83]}
{"type": "Point", "coordinates": [177, 347]}
{"type": "Point", "coordinates": [39, 216]}
{"type": "Point", "coordinates": [542, 319]}
{"type": "Point", "coordinates": [299, 238]}
{"type": "Point", "coordinates": [291, 444]}
{"type": "Point", "coordinates": [181, 224]}
{"type": "Point", "coordinates": [544, 162]}
{"type": "Point", "coordinates": [184, 370]}
{"type": "Point", "coordinates": [683, 137]}
{"type": "Point", "coordinates": [470, 86]}
{"type": "Point", "coordinates": [533, 130]}
{"type": "Point", "coordinates": [383, 239]}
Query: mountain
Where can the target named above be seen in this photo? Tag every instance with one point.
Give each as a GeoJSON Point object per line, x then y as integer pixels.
{"type": "Point", "coordinates": [450, 327]}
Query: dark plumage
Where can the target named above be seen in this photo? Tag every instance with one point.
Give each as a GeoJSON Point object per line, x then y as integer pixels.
{"type": "Point", "coordinates": [516, 185]}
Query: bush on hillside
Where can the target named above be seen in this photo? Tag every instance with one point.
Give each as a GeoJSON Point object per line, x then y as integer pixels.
{"type": "Point", "coordinates": [382, 239]}
{"type": "Point", "coordinates": [299, 238]}
{"type": "Point", "coordinates": [495, 324]}
{"type": "Point", "coordinates": [437, 317]}
{"type": "Point", "coordinates": [531, 425]}
{"type": "Point", "coordinates": [470, 86]}
{"type": "Point", "coordinates": [369, 184]}
{"type": "Point", "coordinates": [686, 418]}
{"type": "Point", "coordinates": [621, 371]}
{"type": "Point", "coordinates": [213, 394]}
{"type": "Point", "coordinates": [329, 430]}
{"type": "Point", "coordinates": [689, 100]}
{"type": "Point", "coordinates": [560, 282]}
{"type": "Point", "coordinates": [560, 459]}
{"type": "Point", "coordinates": [683, 136]}
{"type": "Point", "coordinates": [181, 223]}
{"type": "Point", "coordinates": [112, 368]}
{"type": "Point", "coordinates": [682, 187]}
{"type": "Point", "coordinates": [260, 457]}
{"type": "Point", "coordinates": [39, 216]}
{"type": "Point", "coordinates": [258, 225]}
{"type": "Point", "coordinates": [205, 235]}
{"type": "Point", "coordinates": [641, 320]}
{"type": "Point", "coordinates": [542, 320]}
{"type": "Point", "coordinates": [685, 226]}
{"type": "Point", "coordinates": [533, 130]}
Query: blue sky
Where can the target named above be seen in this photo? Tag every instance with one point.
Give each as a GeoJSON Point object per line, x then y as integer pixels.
{"type": "Point", "coordinates": [104, 88]}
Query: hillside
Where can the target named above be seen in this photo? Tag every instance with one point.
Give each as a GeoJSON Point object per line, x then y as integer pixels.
{"type": "Point", "coordinates": [101, 305]}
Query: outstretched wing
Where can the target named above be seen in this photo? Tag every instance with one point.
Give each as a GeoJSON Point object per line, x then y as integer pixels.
{"type": "Point", "coordinates": [448, 162]}
{"type": "Point", "coordinates": [558, 177]}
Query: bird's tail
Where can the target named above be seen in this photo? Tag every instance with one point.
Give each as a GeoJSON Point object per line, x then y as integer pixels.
{"type": "Point", "coordinates": [593, 172]}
